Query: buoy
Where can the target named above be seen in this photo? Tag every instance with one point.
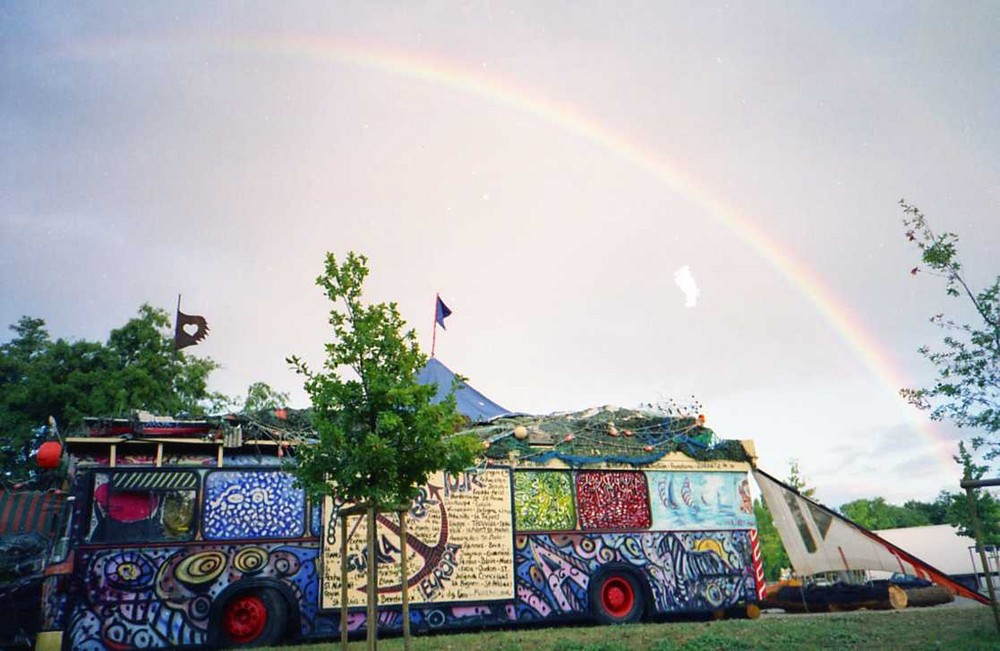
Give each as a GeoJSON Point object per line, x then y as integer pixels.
{"type": "Point", "coordinates": [49, 454]}
{"type": "Point", "coordinates": [520, 432]}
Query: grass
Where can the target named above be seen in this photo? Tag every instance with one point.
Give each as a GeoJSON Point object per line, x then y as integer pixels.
{"type": "Point", "coordinates": [952, 627]}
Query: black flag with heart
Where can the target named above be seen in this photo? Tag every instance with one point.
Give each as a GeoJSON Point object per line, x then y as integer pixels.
{"type": "Point", "coordinates": [189, 331]}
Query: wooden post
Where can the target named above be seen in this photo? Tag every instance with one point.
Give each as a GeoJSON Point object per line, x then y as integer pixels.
{"type": "Point", "coordinates": [372, 569]}
{"type": "Point", "coordinates": [977, 530]}
{"type": "Point", "coordinates": [343, 581]}
{"type": "Point", "coordinates": [403, 579]}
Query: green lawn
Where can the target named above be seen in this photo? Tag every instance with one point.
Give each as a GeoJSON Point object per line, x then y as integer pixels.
{"type": "Point", "coordinates": [943, 627]}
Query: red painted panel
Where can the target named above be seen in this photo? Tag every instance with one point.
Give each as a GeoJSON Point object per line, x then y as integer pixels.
{"type": "Point", "coordinates": [613, 500]}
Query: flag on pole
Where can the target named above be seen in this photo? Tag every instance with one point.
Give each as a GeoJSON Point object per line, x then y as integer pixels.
{"type": "Point", "coordinates": [441, 313]}
{"type": "Point", "coordinates": [183, 335]}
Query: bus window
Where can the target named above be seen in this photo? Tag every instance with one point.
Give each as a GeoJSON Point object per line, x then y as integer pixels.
{"type": "Point", "coordinates": [143, 506]}
{"type": "Point", "coordinates": [609, 499]}
{"type": "Point", "coordinates": [64, 527]}
{"type": "Point", "coordinates": [543, 500]}
{"type": "Point", "coordinates": [252, 504]}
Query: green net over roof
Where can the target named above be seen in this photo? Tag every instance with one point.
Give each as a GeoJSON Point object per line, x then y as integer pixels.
{"type": "Point", "coordinates": [604, 435]}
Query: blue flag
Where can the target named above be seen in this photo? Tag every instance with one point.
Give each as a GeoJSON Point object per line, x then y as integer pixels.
{"type": "Point", "coordinates": [442, 312]}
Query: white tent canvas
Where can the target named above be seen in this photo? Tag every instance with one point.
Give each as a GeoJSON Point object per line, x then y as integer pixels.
{"type": "Point", "coordinates": [939, 544]}
{"type": "Point", "coordinates": [819, 540]}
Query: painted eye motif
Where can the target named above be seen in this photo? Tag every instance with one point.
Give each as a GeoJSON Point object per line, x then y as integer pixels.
{"type": "Point", "coordinates": [201, 568]}
{"type": "Point", "coordinates": [129, 571]}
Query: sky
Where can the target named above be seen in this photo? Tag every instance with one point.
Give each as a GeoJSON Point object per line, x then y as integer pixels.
{"type": "Point", "coordinates": [622, 203]}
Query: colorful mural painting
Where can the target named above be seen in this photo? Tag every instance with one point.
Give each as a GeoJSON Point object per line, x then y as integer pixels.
{"type": "Point", "coordinates": [459, 545]}
{"type": "Point", "coordinates": [163, 596]}
{"type": "Point", "coordinates": [700, 500]}
{"type": "Point", "coordinates": [155, 507]}
{"type": "Point", "coordinates": [543, 500]}
{"type": "Point", "coordinates": [249, 504]}
{"type": "Point", "coordinates": [612, 500]}
{"type": "Point", "coordinates": [685, 572]}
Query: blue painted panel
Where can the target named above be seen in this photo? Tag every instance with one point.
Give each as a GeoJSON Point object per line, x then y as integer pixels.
{"type": "Point", "coordinates": [689, 501]}
{"type": "Point", "coordinates": [252, 504]}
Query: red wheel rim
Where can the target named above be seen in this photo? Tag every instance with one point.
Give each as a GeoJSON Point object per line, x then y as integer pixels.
{"type": "Point", "coordinates": [245, 618]}
{"type": "Point", "coordinates": [617, 596]}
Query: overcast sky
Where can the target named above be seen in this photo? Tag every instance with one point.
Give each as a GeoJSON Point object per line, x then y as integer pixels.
{"type": "Point", "coordinates": [622, 203]}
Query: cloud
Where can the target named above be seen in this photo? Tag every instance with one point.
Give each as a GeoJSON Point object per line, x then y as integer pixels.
{"type": "Point", "coordinates": [684, 279]}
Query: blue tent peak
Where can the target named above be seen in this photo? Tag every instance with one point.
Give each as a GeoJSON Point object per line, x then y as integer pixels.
{"type": "Point", "coordinates": [470, 402]}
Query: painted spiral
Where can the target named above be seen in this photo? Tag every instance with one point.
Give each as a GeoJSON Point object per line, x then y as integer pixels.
{"type": "Point", "coordinates": [251, 559]}
{"type": "Point", "coordinates": [201, 568]}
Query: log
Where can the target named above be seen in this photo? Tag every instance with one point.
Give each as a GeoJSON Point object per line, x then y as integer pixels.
{"type": "Point", "coordinates": [898, 597]}
{"type": "Point", "coordinates": [891, 597]}
{"type": "Point", "coordinates": [793, 597]}
{"type": "Point", "coordinates": [933, 595]}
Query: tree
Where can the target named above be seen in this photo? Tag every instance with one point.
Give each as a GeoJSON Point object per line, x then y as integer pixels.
{"type": "Point", "coordinates": [796, 481]}
{"type": "Point", "coordinates": [380, 437]}
{"type": "Point", "coordinates": [966, 390]}
{"type": "Point", "coordinates": [772, 551]}
{"type": "Point", "coordinates": [987, 505]}
{"type": "Point", "coordinates": [935, 512]}
{"type": "Point", "coordinates": [876, 513]}
{"type": "Point", "coordinates": [261, 396]}
{"type": "Point", "coordinates": [136, 369]}
{"type": "Point", "coordinates": [21, 391]}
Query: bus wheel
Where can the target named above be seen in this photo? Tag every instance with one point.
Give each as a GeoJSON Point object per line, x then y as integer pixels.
{"type": "Point", "coordinates": [254, 618]}
{"type": "Point", "coordinates": [616, 598]}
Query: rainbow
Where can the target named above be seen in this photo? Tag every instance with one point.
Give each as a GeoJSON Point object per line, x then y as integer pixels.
{"type": "Point", "coordinates": [423, 66]}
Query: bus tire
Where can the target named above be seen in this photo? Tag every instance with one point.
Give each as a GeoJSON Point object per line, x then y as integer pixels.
{"type": "Point", "coordinates": [255, 617]}
{"type": "Point", "coordinates": [617, 597]}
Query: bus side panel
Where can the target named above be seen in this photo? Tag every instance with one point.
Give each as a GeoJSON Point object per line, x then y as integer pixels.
{"type": "Point", "coordinates": [685, 572]}
{"type": "Point", "coordinates": [162, 597]}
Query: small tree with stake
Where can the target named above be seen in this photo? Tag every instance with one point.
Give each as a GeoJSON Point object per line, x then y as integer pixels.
{"type": "Point", "coordinates": [380, 437]}
{"type": "Point", "coordinates": [967, 388]}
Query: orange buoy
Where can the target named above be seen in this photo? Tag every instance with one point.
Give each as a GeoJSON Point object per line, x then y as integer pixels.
{"type": "Point", "coordinates": [49, 454]}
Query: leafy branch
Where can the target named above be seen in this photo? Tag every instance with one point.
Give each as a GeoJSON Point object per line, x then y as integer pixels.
{"type": "Point", "coordinates": [967, 388]}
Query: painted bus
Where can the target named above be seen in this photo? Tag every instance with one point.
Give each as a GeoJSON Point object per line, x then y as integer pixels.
{"type": "Point", "coordinates": [204, 540]}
